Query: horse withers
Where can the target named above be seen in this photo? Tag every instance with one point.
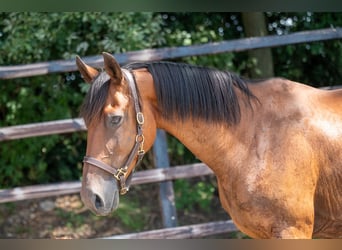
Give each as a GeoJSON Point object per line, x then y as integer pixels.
{"type": "Point", "coordinates": [275, 145]}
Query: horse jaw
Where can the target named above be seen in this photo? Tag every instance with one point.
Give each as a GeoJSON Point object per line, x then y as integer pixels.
{"type": "Point", "coordinates": [100, 193]}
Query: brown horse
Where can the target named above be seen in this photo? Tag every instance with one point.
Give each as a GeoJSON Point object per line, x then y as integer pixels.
{"type": "Point", "coordinates": [275, 146]}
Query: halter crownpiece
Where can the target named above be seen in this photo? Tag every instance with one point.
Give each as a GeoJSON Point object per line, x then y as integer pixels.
{"type": "Point", "coordinates": [119, 173]}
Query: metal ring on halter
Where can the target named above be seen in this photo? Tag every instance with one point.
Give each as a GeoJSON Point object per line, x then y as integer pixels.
{"type": "Point", "coordinates": [140, 118]}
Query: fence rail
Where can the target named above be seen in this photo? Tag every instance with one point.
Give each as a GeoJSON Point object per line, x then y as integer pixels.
{"type": "Point", "coordinates": [42, 128]}
{"type": "Point", "coordinates": [9, 72]}
{"type": "Point", "coordinates": [140, 177]}
{"type": "Point", "coordinates": [183, 232]}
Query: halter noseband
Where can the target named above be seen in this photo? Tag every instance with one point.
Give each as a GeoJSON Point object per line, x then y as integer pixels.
{"type": "Point", "coordinates": [137, 150]}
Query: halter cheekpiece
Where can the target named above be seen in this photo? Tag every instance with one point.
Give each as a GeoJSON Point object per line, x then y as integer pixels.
{"type": "Point", "coordinates": [119, 173]}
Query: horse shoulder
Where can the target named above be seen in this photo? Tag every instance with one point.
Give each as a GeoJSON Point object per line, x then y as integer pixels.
{"type": "Point", "coordinates": [325, 128]}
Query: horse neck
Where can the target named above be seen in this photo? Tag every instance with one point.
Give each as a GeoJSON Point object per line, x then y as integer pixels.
{"type": "Point", "coordinates": [199, 137]}
{"type": "Point", "coordinates": [207, 141]}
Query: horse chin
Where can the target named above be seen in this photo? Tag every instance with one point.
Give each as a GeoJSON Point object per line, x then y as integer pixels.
{"type": "Point", "coordinates": [101, 196]}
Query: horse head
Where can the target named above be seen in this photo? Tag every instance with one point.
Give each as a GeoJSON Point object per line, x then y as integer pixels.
{"type": "Point", "coordinates": [116, 143]}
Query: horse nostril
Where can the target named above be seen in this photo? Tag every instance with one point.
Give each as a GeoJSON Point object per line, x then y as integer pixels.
{"type": "Point", "coordinates": [98, 202]}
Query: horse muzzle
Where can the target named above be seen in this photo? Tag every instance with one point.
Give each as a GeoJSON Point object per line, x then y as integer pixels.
{"type": "Point", "coordinates": [100, 195]}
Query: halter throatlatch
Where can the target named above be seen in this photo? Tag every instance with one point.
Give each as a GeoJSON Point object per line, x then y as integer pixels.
{"type": "Point", "coordinates": [137, 150]}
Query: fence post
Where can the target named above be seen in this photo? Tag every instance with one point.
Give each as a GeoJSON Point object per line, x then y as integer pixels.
{"type": "Point", "coordinates": [166, 193]}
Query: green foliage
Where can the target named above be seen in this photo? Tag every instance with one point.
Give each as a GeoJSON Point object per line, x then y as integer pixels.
{"type": "Point", "coordinates": [179, 154]}
{"type": "Point", "coordinates": [32, 36]}
{"type": "Point", "coordinates": [317, 63]}
{"type": "Point", "coordinates": [184, 29]}
{"type": "Point", "coordinates": [73, 219]}
{"type": "Point", "coordinates": [191, 195]}
{"type": "Point", "coordinates": [131, 214]}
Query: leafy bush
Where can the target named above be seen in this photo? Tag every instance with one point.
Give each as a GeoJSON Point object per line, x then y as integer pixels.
{"type": "Point", "coordinates": [316, 63]}
{"type": "Point", "coordinates": [190, 195]}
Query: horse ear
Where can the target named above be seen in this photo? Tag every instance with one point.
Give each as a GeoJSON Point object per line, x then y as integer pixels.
{"type": "Point", "coordinates": [86, 71]}
{"type": "Point", "coordinates": [112, 67]}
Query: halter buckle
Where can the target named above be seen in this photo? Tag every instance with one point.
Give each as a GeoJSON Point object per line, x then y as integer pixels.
{"type": "Point", "coordinates": [141, 152]}
{"type": "Point", "coordinates": [120, 172]}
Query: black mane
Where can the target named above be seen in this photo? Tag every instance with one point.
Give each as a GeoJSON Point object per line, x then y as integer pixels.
{"type": "Point", "coordinates": [185, 91]}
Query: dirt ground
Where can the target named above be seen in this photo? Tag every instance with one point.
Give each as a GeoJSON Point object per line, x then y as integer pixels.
{"type": "Point", "coordinates": [65, 217]}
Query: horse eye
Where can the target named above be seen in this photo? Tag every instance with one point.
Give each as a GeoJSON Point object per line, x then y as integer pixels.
{"type": "Point", "coordinates": [114, 120]}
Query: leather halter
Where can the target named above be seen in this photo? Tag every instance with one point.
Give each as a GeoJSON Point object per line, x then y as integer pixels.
{"type": "Point", "coordinates": [120, 173]}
